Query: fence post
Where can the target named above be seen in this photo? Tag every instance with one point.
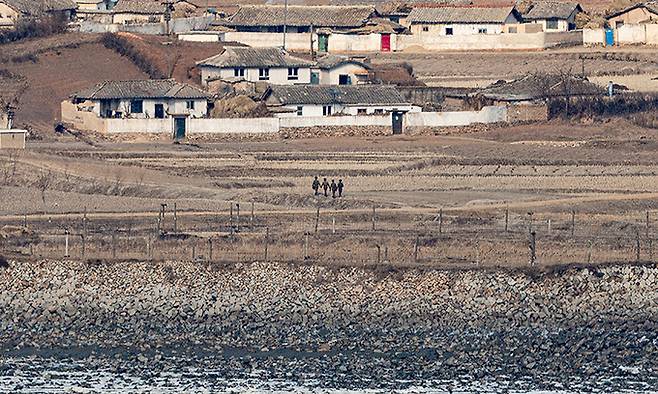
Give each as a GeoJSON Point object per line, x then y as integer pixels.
{"type": "Point", "coordinates": [175, 219]}
{"type": "Point", "coordinates": [589, 252]}
{"type": "Point", "coordinates": [148, 247]}
{"type": "Point", "coordinates": [84, 244]}
{"type": "Point", "coordinates": [237, 217]}
{"type": "Point", "coordinates": [573, 222]}
{"type": "Point", "coordinates": [379, 253]}
{"type": "Point", "coordinates": [440, 220]}
{"type": "Point", "coordinates": [477, 250]}
{"type": "Point", "coordinates": [84, 222]}
{"type": "Point", "coordinates": [647, 229]}
{"type": "Point", "coordinates": [209, 249]}
{"type": "Point", "coordinates": [159, 222]}
{"type": "Point", "coordinates": [162, 225]}
{"type": "Point", "coordinates": [66, 243]}
{"type": "Point", "coordinates": [374, 218]}
{"type": "Point", "coordinates": [193, 252]}
{"type": "Point", "coordinates": [230, 218]}
{"type": "Point", "coordinates": [416, 245]}
{"type": "Point", "coordinates": [306, 246]}
{"type": "Point", "coordinates": [506, 218]}
{"type": "Point", "coordinates": [25, 221]}
{"type": "Point", "coordinates": [385, 252]}
{"type": "Point", "coordinates": [114, 244]}
{"type": "Point", "coordinates": [532, 245]}
{"type": "Point", "coordinates": [549, 226]}
{"type": "Point", "coordinates": [317, 219]}
{"type": "Point", "coordinates": [252, 212]}
{"type": "Point", "coordinates": [637, 246]}
{"type": "Point", "coordinates": [333, 225]}
{"type": "Point", "coordinates": [267, 240]}
{"type": "Point", "coordinates": [530, 220]}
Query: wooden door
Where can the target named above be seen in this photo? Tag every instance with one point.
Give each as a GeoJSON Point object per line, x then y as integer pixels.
{"type": "Point", "coordinates": [323, 43]}
{"type": "Point", "coordinates": [179, 128]}
{"type": "Point", "coordinates": [386, 42]}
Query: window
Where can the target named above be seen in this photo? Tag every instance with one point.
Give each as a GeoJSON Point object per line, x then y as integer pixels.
{"type": "Point", "coordinates": [190, 104]}
{"type": "Point", "coordinates": [300, 110]}
{"type": "Point", "coordinates": [264, 74]}
{"type": "Point", "coordinates": [426, 28]}
{"type": "Point", "coordinates": [619, 24]}
{"type": "Point", "coordinates": [482, 31]}
{"type": "Point", "coordinates": [513, 29]}
{"type": "Point", "coordinates": [551, 23]}
{"type": "Point", "coordinates": [137, 106]}
{"type": "Point", "coordinates": [344, 79]}
{"type": "Point", "coordinates": [379, 111]}
{"type": "Point", "coordinates": [293, 73]}
{"type": "Point", "coordinates": [326, 110]}
{"type": "Point", "coordinates": [361, 111]}
{"type": "Point", "coordinates": [448, 31]}
{"type": "Point", "coordinates": [238, 72]}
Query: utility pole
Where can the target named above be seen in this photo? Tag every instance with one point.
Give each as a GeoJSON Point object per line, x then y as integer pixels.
{"type": "Point", "coordinates": [10, 116]}
{"type": "Point", "coordinates": [285, 23]}
{"type": "Point", "coordinates": [167, 15]}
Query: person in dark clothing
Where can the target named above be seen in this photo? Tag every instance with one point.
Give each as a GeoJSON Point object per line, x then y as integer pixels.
{"type": "Point", "coordinates": [334, 187]}
{"type": "Point", "coordinates": [316, 186]}
{"type": "Point", "coordinates": [340, 188]}
{"type": "Point", "coordinates": [325, 186]}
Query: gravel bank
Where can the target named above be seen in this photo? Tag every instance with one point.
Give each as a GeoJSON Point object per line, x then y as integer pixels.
{"type": "Point", "coordinates": [577, 329]}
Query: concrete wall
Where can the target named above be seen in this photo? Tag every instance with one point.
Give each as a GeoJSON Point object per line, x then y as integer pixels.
{"type": "Point", "coordinates": [82, 120]}
{"type": "Point", "coordinates": [179, 25]}
{"type": "Point", "coordinates": [278, 76]}
{"type": "Point", "coordinates": [12, 139]}
{"type": "Point", "coordinates": [631, 34]}
{"type": "Point", "coordinates": [312, 121]}
{"type": "Point", "coordinates": [593, 37]}
{"type": "Point", "coordinates": [139, 125]}
{"type": "Point", "coordinates": [652, 33]}
{"type": "Point", "coordinates": [492, 114]}
{"type": "Point", "coordinates": [517, 41]}
{"type": "Point", "coordinates": [202, 36]}
{"type": "Point", "coordinates": [226, 126]}
{"type": "Point", "coordinates": [633, 16]}
{"type": "Point", "coordinates": [358, 42]}
{"type": "Point", "coordinates": [563, 38]}
{"type": "Point", "coordinates": [460, 29]}
{"type": "Point", "coordinates": [337, 43]}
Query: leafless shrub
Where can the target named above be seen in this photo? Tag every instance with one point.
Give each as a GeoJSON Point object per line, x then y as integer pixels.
{"type": "Point", "coordinates": [43, 183]}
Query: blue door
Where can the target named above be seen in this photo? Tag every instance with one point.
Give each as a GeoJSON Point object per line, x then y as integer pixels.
{"type": "Point", "coordinates": [609, 37]}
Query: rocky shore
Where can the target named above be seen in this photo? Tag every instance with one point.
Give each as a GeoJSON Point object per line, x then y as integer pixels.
{"type": "Point", "coordinates": [572, 329]}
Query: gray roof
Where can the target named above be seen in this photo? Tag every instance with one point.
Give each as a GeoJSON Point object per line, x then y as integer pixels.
{"type": "Point", "coordinates": [315, 94]}
{"type": "Point", "coordinates": [254, 57]}
{"type": "Point", "coordinates": [449, 14]}
{"type": "Point", "coordinates": [318, 16]}
{"type": "Point", "coordinates": [148, 7]}
{"type": "Point", "coordinates": [146, 89]}
{"type": "Point", "coordinates": [651, 6]}
{"type": "Point", "coordinates": [533, 87]}
{"type": "Point", "coordinates": [330, 61]}
{"type": "Point", "coordinates": [551, 9]}
{"type": "Point", "coordinates": [37, 7]}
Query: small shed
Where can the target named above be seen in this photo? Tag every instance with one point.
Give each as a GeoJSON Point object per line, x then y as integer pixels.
{"type": "Point", "coordinates": [12, 139]}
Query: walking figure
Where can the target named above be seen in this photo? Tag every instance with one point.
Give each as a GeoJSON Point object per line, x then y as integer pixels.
{"type": "Point", "coordinates": [334, 187]}
{"type": "Point", "coordinates": [325, 186]}
{"type": "Point", "coordinates": [316, 185]}
{"type": "Point", "coordinates": [340, 188]}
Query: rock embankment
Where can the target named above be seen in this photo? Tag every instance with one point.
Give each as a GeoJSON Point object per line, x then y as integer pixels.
{"type": "Point", "coordinates": [346, 326]}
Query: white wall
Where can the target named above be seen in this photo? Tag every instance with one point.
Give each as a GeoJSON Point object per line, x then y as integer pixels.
{"type": "Point", "coordinates": [229, 125]}
{"type": "Point", "coordinates": [593, 37]}
{"type": "Point", "coordinates": [177, 107]}
{"type": "Point", "coordinates": [312, 121]}
{"type": "Point", "coordinates": [458, 29]}
{"type": "Point", "coordinates": [139, 125]}
{"type": "Point", "coordinates": [202, 36]}
{"type": "Point", "coordinates": [337, 43]}
{"type": "Point", "coordinates": [332, 76]}
{"type": "Point", "coordinates": [539, 40]}
{"type": "Point", "coordinates": [278, 76]}
{"type": "Point", "coordinates": [631, 34]}
{"type": "Point", "coordinates": [491, 114]}
{"type": "Point", "coordinates": [336, 109]}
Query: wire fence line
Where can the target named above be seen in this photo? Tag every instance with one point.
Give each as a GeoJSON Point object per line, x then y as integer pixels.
{"type": "Point", "coordinates": [506, 238]}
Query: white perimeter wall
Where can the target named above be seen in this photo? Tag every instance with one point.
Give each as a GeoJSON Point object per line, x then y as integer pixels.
{"type": "Point", "coordinates": [302, 41]}
{"type": "Point", "coordinates": [230, 125]}
{"type": "Point", "coordinates": [491, 114]}
{"type": "Point", "coordinates": [489, 41]}
{"type": "Point", "coordinates": [593, 37]}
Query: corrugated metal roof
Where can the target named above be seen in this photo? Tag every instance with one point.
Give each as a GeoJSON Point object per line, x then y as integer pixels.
{"type": "Point", "coordinates": [313, 94]}
{"type": "Point", "coordinates": [154, 88]}
{"type": "Point", "coordinates": [254, 57]}
{"type": "Point", "coordinates": [318, 16]}
{"type": "Point", "coordinates": [460, 15]}
{"type": "Point", "coordinates": [37, 7]}
{"type": "Point", "coordinates": [551, 9]}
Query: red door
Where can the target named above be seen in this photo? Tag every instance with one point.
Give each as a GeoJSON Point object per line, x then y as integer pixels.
{"type": "Point", "coordinates": [386, 42]}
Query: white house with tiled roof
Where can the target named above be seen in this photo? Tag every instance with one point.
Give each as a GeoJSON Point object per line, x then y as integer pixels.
{"type": "Point", "coordinates": [13, 10]}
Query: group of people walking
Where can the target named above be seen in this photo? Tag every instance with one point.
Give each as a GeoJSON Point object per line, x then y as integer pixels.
{"type": "Point", "coordinates": [336, 189]}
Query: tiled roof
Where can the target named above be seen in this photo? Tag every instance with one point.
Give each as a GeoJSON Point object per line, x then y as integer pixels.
{"type": "Point", "coordinates": [318, 16]}
{"type": "Point", "coordinates": [651, 6]}
{"type": "Point", "coordinates": [331, 61]}
{"type": "Point", "coordinates": [460, 15]}
{"type": "Point", "coordinates": [154, 88]}
{"type": "Point", "coordinates": [254, 57]}
{"type": "Point", "coordinates": [148, 7]}
{"type": "Point", "coordinates": [314, 94]}
{"type": "Point", "coordinates": [551, 9]}
{"type": "Point", "coordinates": [37, 7]}
{"type": "Point", "coordinates": [540, 86]}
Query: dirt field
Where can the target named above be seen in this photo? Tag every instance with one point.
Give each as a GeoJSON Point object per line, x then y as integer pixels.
{"type": "Point", "coordinates": [584, 189]}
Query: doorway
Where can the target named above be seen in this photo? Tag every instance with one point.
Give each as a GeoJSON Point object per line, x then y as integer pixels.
{"type": "Point", "coordinates": [397, 118]}
{"type": "Point", "coordinates": [386, 42]}
{"type": "Point", "coordinates": [180, 127]}
{"type": "Point", "coordinates": [159, 111]}
{"type": "Point", "coordinates": [323, 43]}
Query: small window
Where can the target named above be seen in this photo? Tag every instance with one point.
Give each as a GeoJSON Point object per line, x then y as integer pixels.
{"type": "Point", "coordinates": [293, 73]}
{"type": "Point", "coordinates": [190, 104]}
{"type": "Point", "coordinates": [619, 24]}
{"type": "Point", "coordinates": [300, 110]}
{"type": "Point", "coordinates": [326, 110]}
{"type": "Point", "coordinates": [551, 23]}
{"type": "Point", "coordinates": [137, 106]}
{"type": "Point", "coordinates": [426, 28]}
{"type": "Point", "coordinates": [379, 111]}
{"type": "Point", "coordinates": [448, 31]}
{"type": "Point", "coordinates": [264, 74]}
{"type": "Point", "coordinates": [513, 29]}
{"type": "Point", "coordinates": [238, 72]}
{"type": "Point", "coordinates": [482, 31]}
{"type": "Point", "coordinates": [361, 111]}
{"type": "Point", "coordinates": [344, 79]}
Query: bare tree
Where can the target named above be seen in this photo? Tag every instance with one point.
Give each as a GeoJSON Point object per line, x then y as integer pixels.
{"type": "Point", "coordinates": [43, 183]}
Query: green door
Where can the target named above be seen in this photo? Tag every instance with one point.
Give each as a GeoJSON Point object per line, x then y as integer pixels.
{"type": "Point", "coordinates": [179, 128]}
{"type": "Point", "coordinates": [323, 43]}
{"type": "Point", "coordinates": [315, 78]}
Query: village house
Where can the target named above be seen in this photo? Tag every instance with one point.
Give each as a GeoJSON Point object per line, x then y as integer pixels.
{"type": "Point", "coordinates": [322, 28]}
{"type": "Point", "coordinates": [429, 22]}
{"type": "Point", "coordinates": [13, 10]}
{"type": "Point", "coordinates": [157, 99]}
{"type": "Point", "coordinates": [95, 5]}
{"type": "Point", "coordinates": [272, 65]}
{"type": "Point", "coordinates": [150, 11]}
{"type": "Point", "coordinates": [333, 69]}
{"type": "Point", "coordinates": [312, 100]}
{"type": "Point", "coordinates": [553, 16]}
{"type": "Point", "coordinates": [646, 12]}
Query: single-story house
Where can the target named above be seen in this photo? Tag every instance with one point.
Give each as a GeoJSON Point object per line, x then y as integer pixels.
{"type": "Point", "coordinates": [13, 10]}
{"type": "Point", "coordinates": [646, 12]}
{"type": "Point", "coordinates": [553, 15]}
{"type": "Point", "coordinates": [95, 5]}
{"type": "Point", "coordinates": [273, 65]}
{"type": "Point", "coordinates": [428, 22]}
{"type": "Point", "coordinates": [150, 11]}
{"type": "Point", "coordinates": [12, 139]}
{"type": "Point", "coordinates": [340, 70]}
{"type": "Point", "coordinates": [314, 100]}
{"type": "Point", "coordinates": [157, 99]}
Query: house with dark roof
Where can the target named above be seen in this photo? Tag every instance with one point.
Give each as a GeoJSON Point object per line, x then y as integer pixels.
{"type": "Point", "coordinates": [639, 13]}
{"type": "Point", "coordinates": [428, 22]}
{"type": "Point", "coordinates": [13, 10]}
{"type": "Point", "coordinates": [150, 11]}
{"type": "Point", "coordinates": [95, 5]}
{"type": "Point", "coordinates": [553, 15]}
{"type": "Point", "coordinates": [142, 99]}
{"type": "Point", "coordinates": [333, 69]}
{"type": "Point", "coordinates": [314, 100]}
{"type": "Point", "coordinates": [272, 65]}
